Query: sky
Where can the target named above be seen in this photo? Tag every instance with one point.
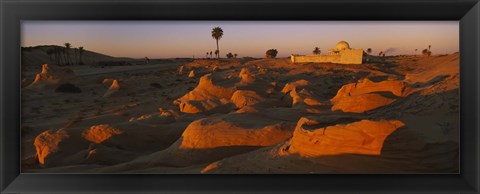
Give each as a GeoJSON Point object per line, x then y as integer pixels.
{"type": "Point", "coordinates": [169, 39]}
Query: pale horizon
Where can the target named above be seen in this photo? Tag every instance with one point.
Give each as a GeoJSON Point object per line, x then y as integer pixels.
{"type": "Point", "coordinates": [172, 39]}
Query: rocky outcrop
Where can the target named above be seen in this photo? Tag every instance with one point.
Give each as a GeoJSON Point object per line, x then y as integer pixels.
{"type": "Point", "coordinates": [113, 89]}
{"type": "Point", "coordinates": [100, 133]}
{"type": "Point", "coordinates": [365, 86]}
{"type": "Point", "coordinates": [367, 95]}
{"type": "Point", "coordinates": [242, 98]}
{"type": "Point", "coordinates": [47, 143]}
{"type": "Point", "coordinates": [238, 130]}
{"type": "Point", "coordinates": [361, 103]}
{"type": "Point", "coordinates": [209, 106]}
{"type": "Point", "coordinates": [209, 87]}
{"type": "Point", "coordinates": [311, 139]}
{"type": "Point", "coordinates": [52, 75]}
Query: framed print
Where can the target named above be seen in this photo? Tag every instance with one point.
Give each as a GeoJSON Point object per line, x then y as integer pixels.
{"type": "Point", "coordinates": [239, 96]}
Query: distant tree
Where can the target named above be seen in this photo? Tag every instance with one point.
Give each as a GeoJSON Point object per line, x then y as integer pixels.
{"type": "Point", "coordinates": [217, 34]}
{"type": "Point", "coordinates": [206, 55]}
{"type": "Point", "coordinates": [217, 53]}
{"type": "Point", "coordinates": [235, 55]}
{"type": "Point", "coordinates": [369, 51]}
{"type": "Point", "coordinates": [229, 55]}
{"type": "Point", "coordinates": [68, 46]}
{"type": "Point", "coordinates": [380, 53]}
{"type": "Point", "coordinates": [429, 47]}
{"type": "Point", "coordinates": [211, 54]}
{"type": "Point", "coordinates": [271, 53]}
{"type": "Point", "coordinates": [317, 51]}
{"type": "Point", "coordinates": [426, 53]}
{"type": "Point", "coordinates": [75, 59]}
{"type": "Point", "coordinates": [80, 54]}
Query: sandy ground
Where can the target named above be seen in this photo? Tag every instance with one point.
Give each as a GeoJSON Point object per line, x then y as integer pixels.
{"type": "Point", "coordinates": [391, 115]}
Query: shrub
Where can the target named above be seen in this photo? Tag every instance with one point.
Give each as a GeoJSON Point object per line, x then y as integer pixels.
{"type": "Point", "coordinates": [271, 53]}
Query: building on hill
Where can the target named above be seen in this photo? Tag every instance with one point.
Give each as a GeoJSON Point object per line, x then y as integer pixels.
{"type": "Point", "coordinates": [342, 54]}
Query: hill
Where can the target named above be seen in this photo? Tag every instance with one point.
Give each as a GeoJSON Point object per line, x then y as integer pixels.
{"type": "Point", "coordinates": [37, 55]}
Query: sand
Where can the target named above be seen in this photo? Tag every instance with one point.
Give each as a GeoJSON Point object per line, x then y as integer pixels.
{"type": "Point", "coordinates": [397, 115]}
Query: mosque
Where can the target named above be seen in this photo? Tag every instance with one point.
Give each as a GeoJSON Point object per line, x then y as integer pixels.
{"type": "Point", "coordinates": [342, 54]}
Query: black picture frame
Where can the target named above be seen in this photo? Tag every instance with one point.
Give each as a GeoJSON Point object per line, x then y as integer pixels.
{"type": "Point", "coordinates": [12, 12]}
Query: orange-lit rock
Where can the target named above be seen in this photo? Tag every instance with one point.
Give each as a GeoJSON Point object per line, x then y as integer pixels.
{"type": "Point", "coordinates": [107, 81]}
{"type": "Point", "coordinates": [163, 117]}
{"type": "Point", "coordinates": [180, 70]}
{"type": "Point", "coordinates": [191, 74]}
{"type": "Point", "coordinates": [234, 130]}
{"type": "Point", "coordinates": [243, 98]}
{"type": "Point", "coordinates": [210, 87]}
{"type": "Point", "coordinates": [209, 106]}
{"type": "Point", "coordinates": [100, 133]}
{"type": "Point", "coordinates": [299, 84]}
{"type": "Point", "coordinates": [361, 103]}
{"type": "Point", "coordinates": [246, 76]}
{"type": "Point", "coordinates": [300, 93]}
{"type": "Point", "coordinates": [311, 139]}
{"type": "Point", "coordinates": [52, 75]}
{"type": "Point", "coordinates": [48, 142]}
{"type": "Point", "coordinates": [365, 86]}
{"type": "Point", "coordinates": [113, 89]}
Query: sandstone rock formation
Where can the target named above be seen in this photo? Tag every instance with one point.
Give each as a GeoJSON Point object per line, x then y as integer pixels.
{"type": "Point", "coordinates": [397, 88]}
{"type": "Point", "coordinates": [47, 143]}
{"type": "Point", "coordinates": [367, 95]}
{"type": "Point", "coordinates": [210, 87]}
{"type": "Point", "coordinates": [233, 130]}
{"type": "Point", "coordinates": [113, 89]}
{"type": "Point", "coordinates": [243, 98]}
{"type": "Point", "coordinates": [362, 137]}
{"type": "Point", "coordinates": [100, 133]}
{"type": "Point", "coordinates": [300, 93]}
{"type": "Point", "coordinates": [209, 106]}
{"type": "Point", "coordinates": [191, 74]}
{"type": "Point", "coordinates": [361, 103]}
{"type": "Point", "coordinates": [52, 75]}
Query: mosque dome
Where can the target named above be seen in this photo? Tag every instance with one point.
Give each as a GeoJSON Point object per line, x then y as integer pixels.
{"type": "Point", "coordinates": [342, 45]}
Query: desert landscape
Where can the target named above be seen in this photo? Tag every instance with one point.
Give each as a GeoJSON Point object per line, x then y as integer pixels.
{"type": "Point", "coordinates": [94, 113]}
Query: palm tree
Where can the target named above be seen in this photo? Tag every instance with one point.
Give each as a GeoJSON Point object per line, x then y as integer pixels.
{"type": "Point", "coordinates": [429, 46]}
{"type": "Point", "coordinates": [235, 55]}
{"type": "Point", "coordinates": [369, 50]}
{"type": "Point", "coordinates": [67, 50]}
{"type": "Point", "coordinates": [426, 53]}
{"type": "Point", "coordinates": [80, 53]}
{"type": "Point", "coordinates": [217, 34]}
{"type": "Point", "coordinates": [211, 54]}
{"type": "Point", "coordinates": [206, 56]}
{"type": "Point", "coordinates": [317, 51]}
{"type": "Point", "coordinates": [217, 53]}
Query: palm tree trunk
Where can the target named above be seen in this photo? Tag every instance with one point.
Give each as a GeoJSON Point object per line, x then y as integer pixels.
{"type": "Point", "coordinates": [218, 55]}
